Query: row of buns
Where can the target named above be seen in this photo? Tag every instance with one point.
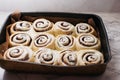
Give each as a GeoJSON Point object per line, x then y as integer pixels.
{"type": "Point", "coordinates": [60, 42]}
{"type": "Point", "coordinates": [44, 25]}
{"type": "Point", "coordinates": [53, 57]}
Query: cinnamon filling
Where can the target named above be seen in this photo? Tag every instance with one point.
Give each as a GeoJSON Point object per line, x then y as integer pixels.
{"type": "Point", "coordinates": [90, 57]}
{"type": "Point", "coordinates": [14, 53]}
{"type": "Point", "coordinates": [21, 38]}
{"type": "Point", "coordinates": [44, 58]}
{"type": "Point", "coordinates": [87, 41]}
{"type": "Point", "coordinates": [22, 26]}
{"type": "Point", "coordinates": [42, 40]}
{"type": "Point", "coordinates": [41, 26]}
{"type": "Point", "coordinates": [47, 57]}
{"type": "Point", "coordinates": [25, 58]}
{"type": "Point", "coordinates": [17, 53]}
{"type": "Point", "coordinates": [69, 58]}
{"type": "Point", "coordinates": [65, 41]}
{"type": "Point", "coordinates": [64, 26]}
{"type": "Point", "coordinates": [83, 29]}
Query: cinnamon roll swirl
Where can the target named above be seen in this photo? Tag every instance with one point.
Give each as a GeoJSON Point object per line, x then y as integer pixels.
{"type": "Point", "coordinates": [62, 27]}
{"type": "Point", "coordinates": [18, 39]}
{"type": "Point", "coordinates": [91, 56]}
{"type": "Point", "coordinates": [43, 40]}
{"type": "Point", "coordinates": [64, 42]}
{"type": "Point", "coordinates": [84, 28]}
{"type": "Point", "coordinates": [20, 26]}
{"type": "Point", "coordinates": [18, 53]}
{"type": "Point", "coordinates": [43, 25]}
{"type": "Point", "coordinates": [46, 56]}
{"type": "Point", "coordinates": [68, 58]}
{"type": "Point", "coordinates": [87, 41]}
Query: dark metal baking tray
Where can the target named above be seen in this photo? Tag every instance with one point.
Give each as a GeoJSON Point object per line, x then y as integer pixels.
{"type": "Point", "coordinates": [56, 16]}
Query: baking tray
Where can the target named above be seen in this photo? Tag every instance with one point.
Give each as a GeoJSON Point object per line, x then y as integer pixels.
{"type": "Point", "coordinates": [73, 18]}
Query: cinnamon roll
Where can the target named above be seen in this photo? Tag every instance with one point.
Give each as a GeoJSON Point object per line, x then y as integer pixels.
{"type": "Point", "coordinates": [62, 27]}
{"type": "Point", "coordinates": [87, 41]}
{"type": "Point", "coordinates": [91, 56]}
{"type": "Point", "coordinates": [20, 26]}
{"type": "Point", "coordinates": [43, 40]}
{"type": "Point", "coordinates": [84, 28]}
{"type": "Point", "coordinates": [64, 42]}
{"type": "Point", "coordinates": [18, 39]}
{"type": "Point", "coordinates": [43, 25]}
{"type": "Point", "coordinates": [46, 56]}
{"type": "Point", "coordinates": [68, 58]}
{"type": "Point", "coordinates": [18, 53]}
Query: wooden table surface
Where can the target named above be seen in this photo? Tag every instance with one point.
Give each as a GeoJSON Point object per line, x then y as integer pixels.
{"type": "Point", "coordinates": [112, 24]}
